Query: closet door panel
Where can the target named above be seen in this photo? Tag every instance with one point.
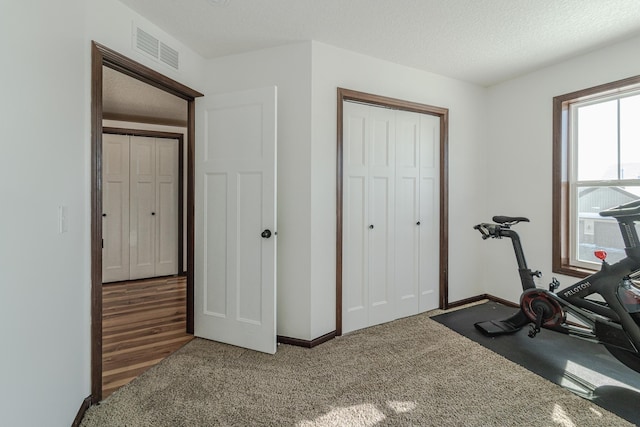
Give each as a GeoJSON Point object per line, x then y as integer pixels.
{"type": "Point", "coordinates": [355, 273]}
{"type": "Point", "coordinates": [407, 206]}
{"type": "Point", "coordinates": [143, 207]}
{"type": "Point", "coordinates": [382, 216]}
{"type": "Point", "coordinates": [167, 180]}
{"type": "Point", "coordinates": [115, 208]}
{"type": "Point", "coordinates": [429, 212]}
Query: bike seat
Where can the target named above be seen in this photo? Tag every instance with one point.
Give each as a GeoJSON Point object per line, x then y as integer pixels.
{"type": "Point", "coordinates": [509, 219]}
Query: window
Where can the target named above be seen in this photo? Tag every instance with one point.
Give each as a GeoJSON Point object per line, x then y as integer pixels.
{"type": "Point", "coordinates": [596, 135]}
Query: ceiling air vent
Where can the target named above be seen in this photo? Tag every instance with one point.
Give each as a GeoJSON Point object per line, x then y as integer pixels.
{"type": "Point", "coordinates": [169, 56]}
{"type": "Point", "coordinates": [151, 46]}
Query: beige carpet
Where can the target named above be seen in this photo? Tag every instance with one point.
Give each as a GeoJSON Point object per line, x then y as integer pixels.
{"type": "Point", "coordinates": [411, 372]}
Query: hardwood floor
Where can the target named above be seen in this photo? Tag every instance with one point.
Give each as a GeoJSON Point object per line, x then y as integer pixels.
{"type": "Point", "coordinates": [143, 322]}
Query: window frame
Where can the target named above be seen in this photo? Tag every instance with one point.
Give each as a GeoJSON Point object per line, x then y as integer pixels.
{"type": "Point", "coordinates": [562, 171]}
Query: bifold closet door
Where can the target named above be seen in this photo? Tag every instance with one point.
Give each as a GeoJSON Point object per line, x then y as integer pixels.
{"type": "Point", "coordinates": [408, 221]}
{"type": "Point", "coordinates": [417, 213]}
{"type": "Point", "coordinates": [429, 258]}
{"type": "Point", "coordinates": [154, 212]}
{"type": "Point", "coordinates": [166, 195]}
{"type": "Point", "coordinates": [143, 207]}
{"type": "Point", "coordinates": [115, 207]}
{"type": "Point", "coordinates": [140, 207]}
{"type": "Point", "coordinates": [390, 246]}
{"type": "Point", "coordinates": [368, 215]}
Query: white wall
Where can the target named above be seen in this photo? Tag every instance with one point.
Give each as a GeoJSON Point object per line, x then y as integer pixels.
{"type": "Point", "coordinates": [45, 163]}
{"type": "Point", "coordinates": [307, 76]}
{"type": "Point", "coordinates": [288, 68]}
{"type": "Point", "coordinates": [110, 23]}
{"type": "Point", "coordinates": [520, 156]}
{"type": "Point", "coordinates": [44, 298]}
{"type": "Point", "coordinates": [334, 67]}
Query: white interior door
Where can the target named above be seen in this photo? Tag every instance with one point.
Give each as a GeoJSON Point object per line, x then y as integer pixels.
{"type": "Point", "coordinates": [142, 226]}
{"type": "Point", "coordinates": [369, 216]}
{"type": "Point", "coordinates": [429, 212]}
{"type": "Point", "coordinates": [408, 221]}
{"type": "Point", "coordinates": [391, 244]}
{"type": "Point", "coordinates": [235, 265]}
{"type": "Point", "coordinates": [166, 199]}
{"type": "Point", "coordinates": [355, 249]}
{"type": "Point", "coordinates": [382, 240]}
{"type": "Point", "coordinates": [115, 208]}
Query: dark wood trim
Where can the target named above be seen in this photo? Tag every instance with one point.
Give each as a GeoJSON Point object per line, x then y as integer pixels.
{"type": "Point", "coordinates": [560, 253]}
{"type": "Point", "coordinates": [118, 62]}
{"type": "Point", "coordinates": [181, 207]}
{"type": "Point", "coordinates": [470, 300]}
{"type": "Point", "coordinates": [144, 119]}
{"type": "Point", "coordinates": [304, 343]}
{"type": "Point", "coordinates": [477, 298]}
{"type": "Point", "coordinates": [143, 132]}
{"type": "Point", "coordinates": [86, 403]}
{"type": "Point", "coordinates": [501, 301]}
{"type": "Point", "coordinates": [398, 104]}
{"type": "Point", "coordinates": [146, 279]}
{"type": "Point", "coordinates": [444, 209]}
{"type": "Point", "coordinates": [103, 56]}
{"type": "Point", "coordinates": [191, 155]}
{"type": "Point", "coordinates": [96, 223]}
{"type": "Point", "coordinates": [339, 200]}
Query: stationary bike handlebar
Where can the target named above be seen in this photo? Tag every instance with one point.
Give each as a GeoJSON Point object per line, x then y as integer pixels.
{"type": "Point", "coordinates": [488, 230]}
{"type": "Point", "coordinates": [628, 209]}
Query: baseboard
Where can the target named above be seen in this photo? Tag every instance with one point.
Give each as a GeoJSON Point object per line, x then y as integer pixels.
{"type": "Point", "coordinates": [477, 298]}
{"type": "Point", "coordinates": [86, 403]}
{"type": "Point", "coordinates": [305, 343]}
{"type": "Point", "coordinates": [310, 344]}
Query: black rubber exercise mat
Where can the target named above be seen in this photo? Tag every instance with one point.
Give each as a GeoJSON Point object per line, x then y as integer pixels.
{"type": "Point", "coordinates": [580, 366]}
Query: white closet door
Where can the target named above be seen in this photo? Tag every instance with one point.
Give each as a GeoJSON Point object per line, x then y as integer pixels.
{"type": "Point", "coordinates": [355, 246]}
{"type": "Point", "coordinates": [408, 221]}
{"type": "Point", "coordinates": [429, 212]}
{"type": "Point", "coordinates": [115, 208]}
{"type": "Point", "coordinates": [142, 224]}
{"type": "Point", "coordinates": [166, 199]}
{"type": "Point", "coordinates": [382, 216]}
{"type": "Point", "coordinates": [368, 215]}
{"type": "Point", "coordinates": [390, 215]}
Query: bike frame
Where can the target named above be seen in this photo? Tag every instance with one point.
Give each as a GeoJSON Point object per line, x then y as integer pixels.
{"type": "Point", "coordinates": [610, 323]}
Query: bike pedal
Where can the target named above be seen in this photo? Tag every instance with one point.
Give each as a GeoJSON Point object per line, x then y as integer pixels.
{"type": "Point", "coordinates": [533, 331]}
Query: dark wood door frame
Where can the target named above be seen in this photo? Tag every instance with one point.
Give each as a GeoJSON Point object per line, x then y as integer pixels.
{"type": "Point", "coordinates": [103, 56]}
{"type": "Point", "coordinates": [396, 104]}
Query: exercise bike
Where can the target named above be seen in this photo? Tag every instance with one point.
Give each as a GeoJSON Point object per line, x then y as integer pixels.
{"type": "Point", "coordinates": [613, 320]}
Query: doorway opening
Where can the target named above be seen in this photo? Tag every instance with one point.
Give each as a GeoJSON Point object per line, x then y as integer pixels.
{"type": "Point", "coordinates": [345, 95]}
{"type": "Point", "coordinates": [105, 57]}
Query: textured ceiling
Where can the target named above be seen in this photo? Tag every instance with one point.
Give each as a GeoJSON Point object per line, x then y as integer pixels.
{"type": "Point", "coordinates": [479, 41]}
{"type": "Point", "coordinates": [125, 98]}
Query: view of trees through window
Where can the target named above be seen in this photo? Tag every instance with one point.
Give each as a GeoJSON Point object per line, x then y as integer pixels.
{"type": "Point", "coordinates": [605, 170]}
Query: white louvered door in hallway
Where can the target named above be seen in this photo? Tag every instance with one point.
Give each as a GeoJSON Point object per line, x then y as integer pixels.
{"type": "Point", "coordinates": [390, 214]}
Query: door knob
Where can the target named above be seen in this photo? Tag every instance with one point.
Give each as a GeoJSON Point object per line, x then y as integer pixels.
{"type": "Point", "coordinates": [371, 226]}
{"type": "Point", "coordinates": [153, 213]}
{"type": "Point", "coordinates": [418, 223]}
{"type": "Point", "coordinates": [104, 214]}
{"type": "Point", "coordinates": [266, 233]}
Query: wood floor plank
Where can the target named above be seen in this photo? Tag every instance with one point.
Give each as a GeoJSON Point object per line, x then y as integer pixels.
{"type": "Point", "coordinates": [143, 322]}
